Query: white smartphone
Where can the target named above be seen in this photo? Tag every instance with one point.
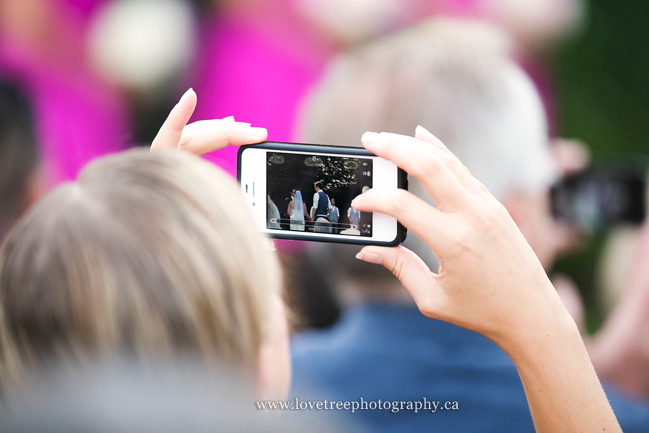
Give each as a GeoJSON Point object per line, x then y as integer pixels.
{"type": "Point", "coordinates": [304, 192]}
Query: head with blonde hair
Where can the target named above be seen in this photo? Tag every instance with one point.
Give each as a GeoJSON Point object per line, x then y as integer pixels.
{"type": "Point", "coordinates": [146, 255]}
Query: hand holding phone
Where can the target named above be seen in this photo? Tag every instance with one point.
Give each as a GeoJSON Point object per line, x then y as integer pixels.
{"type": "Point", "coordinates": [490, 281]}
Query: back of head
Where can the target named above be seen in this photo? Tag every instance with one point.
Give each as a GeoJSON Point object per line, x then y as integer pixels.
{"type": "Point", "coordinates": [455, 78]}
{"type": "Point", "coordinates": [149, 255]}
{"type": "Point", "coordinates": [18, 154]}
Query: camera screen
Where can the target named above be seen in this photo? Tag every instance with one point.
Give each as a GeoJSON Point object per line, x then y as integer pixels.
{"type": "Point", "coordinates": [600, 198]}
{"type": "Point", "coordinates": [313, 193]}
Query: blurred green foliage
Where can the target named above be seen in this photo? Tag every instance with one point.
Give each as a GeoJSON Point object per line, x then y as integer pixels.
{"type": "Point", "coordinates": [603, 78]}
{"type": "Point", "coordinates": [602, 84]}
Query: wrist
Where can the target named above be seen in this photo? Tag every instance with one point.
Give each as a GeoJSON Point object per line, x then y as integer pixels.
{"type": "Point", "coordinates": [545, 325]}
{"type": "Point", "coordinates": [553, 337]}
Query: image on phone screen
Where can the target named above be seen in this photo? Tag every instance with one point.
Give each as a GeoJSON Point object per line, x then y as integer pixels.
{"type": "Point", "coordinates": [313, 193]}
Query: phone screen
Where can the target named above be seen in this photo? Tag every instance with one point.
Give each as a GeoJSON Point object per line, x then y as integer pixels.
{"type": "Point", "coordinates": [599, 198]}
{"type": "Point", "coordinates": [313, 193]}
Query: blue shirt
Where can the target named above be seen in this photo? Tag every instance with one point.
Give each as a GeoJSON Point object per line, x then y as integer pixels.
{"type": "Point", "coordinates": [334, 214]}
{"type": "Point", "coordinates": [392, 352]}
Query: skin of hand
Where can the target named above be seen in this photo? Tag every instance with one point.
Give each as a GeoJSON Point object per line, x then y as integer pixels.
{"type": "Point", "coordinates": [203, 136]}
{"type": "Point", "coordinates": [489, 281]}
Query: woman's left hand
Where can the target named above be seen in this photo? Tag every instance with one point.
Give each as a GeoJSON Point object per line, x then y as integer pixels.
{"type": "Point", "coordinates": [203, 136]}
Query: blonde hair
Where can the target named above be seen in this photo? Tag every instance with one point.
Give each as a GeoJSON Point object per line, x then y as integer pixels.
{"type": "Point", "coordinates": [152, 255]}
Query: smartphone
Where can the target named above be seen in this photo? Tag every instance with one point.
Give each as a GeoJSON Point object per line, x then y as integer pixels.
{"type": "Point", "coordinates": [602, 196]}
{"type": "Point", "coordinates": [305, 191]}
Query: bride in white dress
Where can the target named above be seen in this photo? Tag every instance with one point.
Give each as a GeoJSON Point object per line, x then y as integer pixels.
{"type": "Point", "coordinates": [297, 212]}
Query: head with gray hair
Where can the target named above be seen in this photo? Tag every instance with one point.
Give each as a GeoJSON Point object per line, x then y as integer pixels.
{"type": "Point", "coordinates": [458, 80]}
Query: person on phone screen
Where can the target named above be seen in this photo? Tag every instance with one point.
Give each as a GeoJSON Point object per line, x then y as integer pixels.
{"type": "Point", "coordinates": [272, 212]}
{"type": "Point", "coordinates": [334, 215]}
{"type": "Point", "coordinates": [354, 217]}
{"type": "Point", "coordinates": [297, 212]}
{"type": "Point", "coordinates": [320, 209]}
{"type": "Point", "coordinates": [286, 216]}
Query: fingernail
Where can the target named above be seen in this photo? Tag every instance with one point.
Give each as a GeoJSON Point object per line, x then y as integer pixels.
{"type": "Point", "coordinates": [356, 201]}
{"type": "Point", "coordinates": [369, 138]}
{"type": "Point", "coordinates": [257, 134]}
{"type": "Point", "coordinates": [420, 130]}
{"type": "Point", "coordinates": [370, 258]}
{"type": "Point", "coordinates": [187, 94]}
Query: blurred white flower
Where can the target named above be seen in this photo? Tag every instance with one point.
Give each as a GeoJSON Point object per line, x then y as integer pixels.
{"type": "Point", "coordinates": [537, 22]}
{"type": "Point", "coordinates": [141, 44]}
{"type": "Point", "coordinates": [354, 20]}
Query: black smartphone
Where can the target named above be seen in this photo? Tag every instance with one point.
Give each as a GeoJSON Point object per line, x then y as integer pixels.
{"type": "Point", "coordinates": [304, 192]}
{"type": "Point", "coordinates": [605, 195]}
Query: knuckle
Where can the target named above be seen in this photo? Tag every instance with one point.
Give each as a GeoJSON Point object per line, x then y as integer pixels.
{"type": "Point", "coordinates": [184, 142]}
{"type": "Point", "coordinates": [398, 267]}
{"type": "Point", "coordinates": [460, 242]}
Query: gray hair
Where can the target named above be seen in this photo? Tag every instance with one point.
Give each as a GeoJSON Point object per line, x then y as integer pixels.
{"type": "Point", "coordinates": [458, 80]}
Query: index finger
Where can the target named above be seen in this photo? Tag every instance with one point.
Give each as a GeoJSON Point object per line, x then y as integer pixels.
{"type": "Point", "coordinates": [171, 130]}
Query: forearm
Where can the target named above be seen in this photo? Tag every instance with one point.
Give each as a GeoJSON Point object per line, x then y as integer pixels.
{"type": "Point", "coordinates": [562, 388]}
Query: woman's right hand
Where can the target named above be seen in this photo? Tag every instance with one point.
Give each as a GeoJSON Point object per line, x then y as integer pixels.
{"type": "Point", "coordinates": [489, 281]}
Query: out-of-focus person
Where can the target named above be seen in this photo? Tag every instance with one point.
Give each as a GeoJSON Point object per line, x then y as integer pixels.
{"type": "Point", "coordinates": [20, 177]}
{"type": "Point", "coordinates": [457, 79]}
{"type": "Point", "coordinates": [619, 350]}
{"type": "Point", "coordinates": [78, 116]}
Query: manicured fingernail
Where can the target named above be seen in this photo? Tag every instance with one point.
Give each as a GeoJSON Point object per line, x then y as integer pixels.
{"type": "Point", "coordinates": [356, 201]}
{"type": "Point", "coordinates": [369, 138]}
{"type": "Point", "coordinates": [257, 134]}
{"type": "Point", "coordinates": [420, 130]}
{"type": "Point", "coordinates": [189, 92]}
{"type": "Point", "coordinates": [370, 258]}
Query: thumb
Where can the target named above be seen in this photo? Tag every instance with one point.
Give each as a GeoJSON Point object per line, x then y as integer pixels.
{"type": "Point", "coordinates": [409, 268]}
{"type": "Point", "coordinates": [172, 129]}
